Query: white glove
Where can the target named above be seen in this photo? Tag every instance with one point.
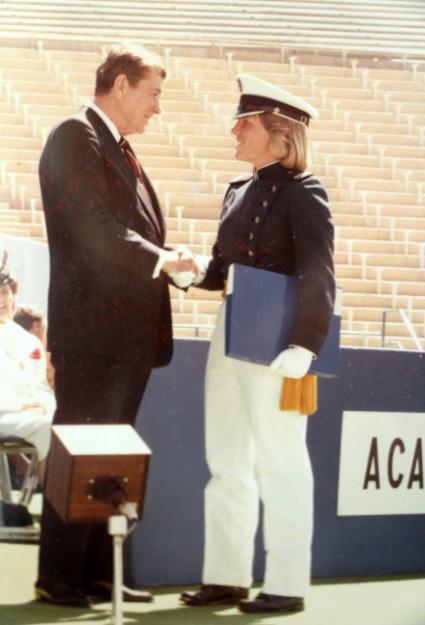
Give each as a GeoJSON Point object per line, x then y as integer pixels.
{"type": "Point", "coordinates": [293, 362]}
{"type": "Point", "coordinates": [183, 279]}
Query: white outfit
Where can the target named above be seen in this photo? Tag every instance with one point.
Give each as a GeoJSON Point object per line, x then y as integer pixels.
{"type": "Point", "coordinates": [23, 381]}
{"type": "Point", "coordinates": [254, 451]}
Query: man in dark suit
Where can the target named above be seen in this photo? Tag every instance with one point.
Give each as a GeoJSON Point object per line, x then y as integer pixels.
{"type": "Point", "coordinates": [109, 319]}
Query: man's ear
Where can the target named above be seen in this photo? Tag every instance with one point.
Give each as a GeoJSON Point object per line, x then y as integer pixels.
{"type": "Point", "coordinates": [120, 86]}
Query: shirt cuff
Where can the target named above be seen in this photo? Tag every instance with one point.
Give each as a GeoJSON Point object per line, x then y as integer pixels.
{"type": "Point", "coordinates": [161, 260]}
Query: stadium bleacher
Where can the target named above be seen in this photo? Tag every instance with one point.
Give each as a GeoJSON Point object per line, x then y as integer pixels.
{"type": "Point", "coordinates": [361, 64]}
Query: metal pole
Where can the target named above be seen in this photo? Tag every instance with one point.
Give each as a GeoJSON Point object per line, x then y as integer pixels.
{"type": "Point", "coordinates": [117, 528]}
{"type": "Point", "coordinates": [384, 322]}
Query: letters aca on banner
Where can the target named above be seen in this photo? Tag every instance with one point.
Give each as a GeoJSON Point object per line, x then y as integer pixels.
{"type": "Point", "coordinates": [381, 467]}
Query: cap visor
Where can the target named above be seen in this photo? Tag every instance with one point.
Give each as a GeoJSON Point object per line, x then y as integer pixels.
{"type": "Point", "coordinates": [239, 115]}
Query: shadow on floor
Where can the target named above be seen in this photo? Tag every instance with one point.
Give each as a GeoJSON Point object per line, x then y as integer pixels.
{"type": "Point", "coordinates": [34, 613]}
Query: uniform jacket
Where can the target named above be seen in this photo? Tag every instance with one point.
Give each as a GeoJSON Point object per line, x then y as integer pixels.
{"type": "Point", "coordinates": [103, 244]}
{"type": "Point", "coordinates": [22, 370]}
{"type": "Point", "coordinates": [281, 222]}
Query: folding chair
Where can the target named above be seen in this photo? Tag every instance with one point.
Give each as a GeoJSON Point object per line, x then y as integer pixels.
{"type": "Point", "coordinates": [8, 446]}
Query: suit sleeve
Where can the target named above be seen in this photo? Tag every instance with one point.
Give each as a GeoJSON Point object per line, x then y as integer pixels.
{"type": "Point", "coordinates": [312, 235]}
{"type": "Point", "coordinates": [74, 176]}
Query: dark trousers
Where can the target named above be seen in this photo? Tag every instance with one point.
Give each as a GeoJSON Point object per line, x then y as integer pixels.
{"type": "Point", "coordinates": [88, 389]}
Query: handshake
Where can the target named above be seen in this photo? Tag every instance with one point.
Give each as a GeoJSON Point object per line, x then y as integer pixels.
{"type": "Point", "coordinates": [182, 266]}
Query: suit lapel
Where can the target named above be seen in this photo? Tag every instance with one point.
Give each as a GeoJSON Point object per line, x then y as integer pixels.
{"type": "Point", "coordinates": [157, 213]}
{"type": "Point", "coordinates": [114, 155]}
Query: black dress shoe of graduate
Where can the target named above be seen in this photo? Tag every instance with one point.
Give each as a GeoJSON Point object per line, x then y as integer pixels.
{"type": "Point", "coordinates": [101, 592]}
{"type": "Point", "coordinates": [61, 594]}
{"type": "Point", "coordinates": [272, 603]}
{"type": "Point", "coordinates": [213, 594]}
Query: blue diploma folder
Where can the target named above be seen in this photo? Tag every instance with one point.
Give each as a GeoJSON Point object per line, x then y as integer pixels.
{"type": "Point", "coordinates": [260, 310]}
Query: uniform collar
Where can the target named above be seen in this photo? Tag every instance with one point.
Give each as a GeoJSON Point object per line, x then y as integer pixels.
{"type": "Point", "coordinates": [271, 171]}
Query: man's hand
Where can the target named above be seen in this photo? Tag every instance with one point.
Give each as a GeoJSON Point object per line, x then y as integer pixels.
{"type": "Point", "coordinates": [293, 362]}
{"type": "Point", "coordinates": [182, 267]}
{"type": "Point", "coordinates": [179, 261]}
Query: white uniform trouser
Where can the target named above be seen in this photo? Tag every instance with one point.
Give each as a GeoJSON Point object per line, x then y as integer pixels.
{"type": "Point", "coordinates": [254, 450]}
{"type": "Point", "coordinates": [31, 425]}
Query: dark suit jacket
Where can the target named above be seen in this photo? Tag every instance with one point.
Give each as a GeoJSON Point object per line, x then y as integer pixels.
{"type": "Point", "coordinates": [103, 244]}
{"type": "Point", "coordinates": [281, 222]}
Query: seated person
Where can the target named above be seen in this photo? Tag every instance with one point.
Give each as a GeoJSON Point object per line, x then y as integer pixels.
{"type": "Point", "coordinates": [31, 319]}
{"type": "Point", "coordinates": [27, 402]}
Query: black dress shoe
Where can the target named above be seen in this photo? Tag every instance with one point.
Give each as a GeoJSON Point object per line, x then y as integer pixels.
{"type": "Point", "coordinates": [272, 603]}
{"type": "Point", "coordinates": [213, 594]}
{"type": "Point", "coordinates": [61, 594]}
{"type": "Point", "coordinates": [102, 592]}
{"type": "Point", "coordinates": [16, 515]}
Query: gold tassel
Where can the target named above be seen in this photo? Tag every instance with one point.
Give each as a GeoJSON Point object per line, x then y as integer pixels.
{"type": "Point", "coordinates": [300, 395]}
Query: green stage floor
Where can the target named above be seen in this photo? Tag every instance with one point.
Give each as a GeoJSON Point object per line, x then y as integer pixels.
{"type": "Point", "coordinates": [389, 601]}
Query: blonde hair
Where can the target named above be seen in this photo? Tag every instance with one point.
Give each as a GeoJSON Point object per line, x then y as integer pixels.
{"type": "Point", "coordinates": [289, 141]}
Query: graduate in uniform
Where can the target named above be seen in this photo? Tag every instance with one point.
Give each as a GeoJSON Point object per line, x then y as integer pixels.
{"type": "Point", "coordinates": [277, 219]}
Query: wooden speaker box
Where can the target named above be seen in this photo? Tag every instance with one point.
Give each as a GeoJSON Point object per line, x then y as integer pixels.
{"type": "Point", "coordinates": [87, 461]}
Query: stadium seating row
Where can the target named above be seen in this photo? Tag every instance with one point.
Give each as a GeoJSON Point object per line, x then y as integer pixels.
{"type": "Point", "coordinates": [367, 147]}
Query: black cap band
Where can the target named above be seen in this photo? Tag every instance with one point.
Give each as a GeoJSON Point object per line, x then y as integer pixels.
{"type": "Point", "coordinates": [253, 103]}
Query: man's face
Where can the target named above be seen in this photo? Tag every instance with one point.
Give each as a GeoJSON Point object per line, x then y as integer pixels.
{"type": "Point", "coordinates": [139, 103]}
{"type": "Point", "coordinates": [253, 141]}
{"type": "Point", "coordinates": [7, 303]}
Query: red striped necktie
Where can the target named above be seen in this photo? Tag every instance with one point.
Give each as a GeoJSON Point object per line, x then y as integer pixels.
{"type": "Point", "coordinates": [135, 166]}
{"type": "Point", "coordinates": [131, 157]}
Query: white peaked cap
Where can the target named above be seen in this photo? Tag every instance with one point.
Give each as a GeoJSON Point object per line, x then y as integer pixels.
{"type": "Point", "coordinates": [260, 96]}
